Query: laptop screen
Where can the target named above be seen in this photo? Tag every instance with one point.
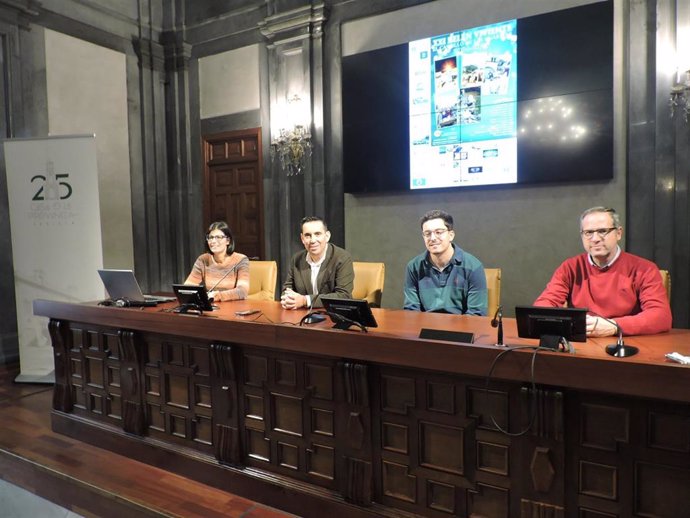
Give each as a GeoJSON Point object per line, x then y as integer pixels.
{"type": "Point", "coordinates": [121, 284]}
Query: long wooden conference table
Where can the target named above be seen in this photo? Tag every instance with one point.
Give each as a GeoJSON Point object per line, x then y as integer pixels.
{"type": "Point", "coordinates": [319, 421]}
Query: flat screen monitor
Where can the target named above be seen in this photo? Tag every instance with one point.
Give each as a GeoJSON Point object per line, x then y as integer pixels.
{"type": "Point", "coordinates": [535, 322]}
{"type": "Point", "coordinates": [192, 297]}
{"type": "Point", "coordinates": [347, 312]}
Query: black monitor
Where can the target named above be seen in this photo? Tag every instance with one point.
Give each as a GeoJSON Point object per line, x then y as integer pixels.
{"type": "Point", "coordinates": [192, 297]}
{"type": "Point", "coordinates": [347, 312]}
{"type": "Point", "coordinates": [536, 322]}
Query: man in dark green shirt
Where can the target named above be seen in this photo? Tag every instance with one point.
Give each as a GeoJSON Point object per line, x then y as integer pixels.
{"type": "Point", "coordinates": [445, 278]}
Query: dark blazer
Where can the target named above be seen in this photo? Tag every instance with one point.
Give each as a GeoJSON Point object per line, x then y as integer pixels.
{"type": "Point", "coordinates": [335, 278]}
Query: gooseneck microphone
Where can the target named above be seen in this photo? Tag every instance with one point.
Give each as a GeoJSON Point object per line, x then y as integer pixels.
{"type": "Point", "coordinates": [497, 321]}
{"type": "Point", "coordinates": [620, 349]}
{"type": "Point", "coordinates": [224, 276]}
{"type": "Point", "coordinates": [313, 317]}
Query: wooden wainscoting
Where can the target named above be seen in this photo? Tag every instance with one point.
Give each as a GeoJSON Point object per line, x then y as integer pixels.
{"type": "Point", "coordinates": [91, 481]}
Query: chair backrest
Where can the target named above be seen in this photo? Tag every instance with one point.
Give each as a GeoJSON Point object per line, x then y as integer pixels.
{"type": "Point", "coordinates": [666, 281]}
{"type": "Point", "coordinates": [493, 284]}
{"type": "Point", "coordinates": [262, 280]}
{"type": "Point", "coordinates": [368, 285]}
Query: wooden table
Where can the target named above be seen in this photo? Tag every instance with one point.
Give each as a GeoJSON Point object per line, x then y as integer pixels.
{"type": "Point", "coordinates": [315, 420]}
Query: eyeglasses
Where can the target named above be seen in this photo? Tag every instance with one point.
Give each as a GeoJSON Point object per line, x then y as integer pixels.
{"type": "Point", "coordinates": [215, 238]}
{"type": "Point", "coordinates": [436, 233]}
{"type": "Point", "coordinates": [601, 232]}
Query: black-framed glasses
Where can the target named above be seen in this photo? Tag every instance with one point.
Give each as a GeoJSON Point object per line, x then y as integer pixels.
{"type": "Point", "coordinates": [601, 232]}
{"type": "Point", "coordinates": [438, 233]}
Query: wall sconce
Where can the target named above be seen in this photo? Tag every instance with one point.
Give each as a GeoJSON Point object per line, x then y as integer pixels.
{"type": "Point", "coordinates": [680, 96]}
{"type": "Point", "coordinates": [292, 145]}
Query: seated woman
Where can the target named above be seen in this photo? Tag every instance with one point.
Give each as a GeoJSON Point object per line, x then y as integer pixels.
{"type": "Point", "coordinates": [224, 272]}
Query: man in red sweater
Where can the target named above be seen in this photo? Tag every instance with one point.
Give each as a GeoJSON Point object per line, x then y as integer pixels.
{"type": "Point", "coordinates": [624, 289]}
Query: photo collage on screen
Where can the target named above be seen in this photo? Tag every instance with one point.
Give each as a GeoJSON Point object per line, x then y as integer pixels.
{"type": "Point", "coordinates": [463, 108]}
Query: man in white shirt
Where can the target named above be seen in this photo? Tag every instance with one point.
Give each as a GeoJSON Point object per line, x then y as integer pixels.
{"type": "Point", "coordinates": [320, 269]}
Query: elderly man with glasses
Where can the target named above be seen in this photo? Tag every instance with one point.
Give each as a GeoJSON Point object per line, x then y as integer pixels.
{"type": "Point", "coordinates": [445, 278]}
{"type": "Point", "coordinates": [619, 289]}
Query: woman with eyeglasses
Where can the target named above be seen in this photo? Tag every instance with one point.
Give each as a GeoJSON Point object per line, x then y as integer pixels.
{"type": "Point", "coordinates": [224, 272]}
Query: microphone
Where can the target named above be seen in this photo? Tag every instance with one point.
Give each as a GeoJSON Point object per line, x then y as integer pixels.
{"type": "Point", "coordinates": [497, 321]}
{"type": "Point", "coordinates": [313, 318]}
{"type": "Point", "coordinates": [619, 349]}
{"type": "Point", "coordinates": [224, 276]}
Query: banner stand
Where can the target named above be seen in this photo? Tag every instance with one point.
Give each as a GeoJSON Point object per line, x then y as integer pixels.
{"type": "Point", "coordinates": [48, 379]}
{"type": "Point", "coordinates": [52, 186]}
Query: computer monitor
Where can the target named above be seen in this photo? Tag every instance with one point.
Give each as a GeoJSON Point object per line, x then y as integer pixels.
{"type": "Point", "coordinates": [192, 297]}
{"type": "Point", "coordinates": [536, 322]}
{"type": "Point", "coordinates": [347, 312]}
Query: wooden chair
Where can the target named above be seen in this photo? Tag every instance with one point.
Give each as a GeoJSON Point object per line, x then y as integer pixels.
{"type": "Point", "coordinates": [368, 285]}
{"type": "Point", "coordinates": [493, 284]}
{"type": "Point", "coordinates": [666, 281]}
{"type": "Point", "coordinates": [262, 280]}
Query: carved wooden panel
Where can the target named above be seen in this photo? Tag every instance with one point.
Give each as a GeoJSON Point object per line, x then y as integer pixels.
{"type": "Point", "coordinates": [632, 456]}
{"type": "Point", "coordinates": [225, 404]}
{"type": "Point", "coordinates": [591, 513]}
{"type": "Point", "coordinates": [60, 339]}
{"type": "Point", "coordinates": [489, 501]}
{"type": "Point", "coordinates": [94, 373]}
{"type": "Point", "coordinates": [289, 416]}
{"type": "Point", "coordinates": [354, 418]}
{"type": "Point", "coordinates": [543, 412]}
{"type": "Point", "coordinates": [489, 408]}
{"type": "Point", "coordinates": [604, 427]}
{"type": "Point", "coordinates": [598, 480]}
{"type": "Point", "coordinates": [178, 392]}
{"type": "Point", "coordinates": [662, 490]}
{"type": "Point", "coordinates": [221, 149]}
{"type": "Point", "coordinates": [431, 457]}
{"type": "Point", "coordinates": [669, 432]}
{"type": "Point", "coordinates": [405, 440]}
{"type": "Point", "coordinates": [130, 374]}
{"type": "Point", "coordinates": [542, 469]}
{"type": "Point", "coordinates": [531, 509]}
{"type": "Point", "coordinates": [493, 458]}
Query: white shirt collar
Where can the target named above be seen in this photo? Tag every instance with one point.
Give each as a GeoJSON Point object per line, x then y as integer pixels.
{"type": "Point", "coordinates": [607, 265]}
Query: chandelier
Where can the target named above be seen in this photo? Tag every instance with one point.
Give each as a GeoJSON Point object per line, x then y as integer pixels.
{"type": "Point", "coordinates": [292, 145]}
{"type": "Point", "coordinates": [680, 97]}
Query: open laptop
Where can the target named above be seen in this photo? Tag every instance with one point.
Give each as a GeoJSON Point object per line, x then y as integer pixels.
{"type": "Point", "coordinates": [122, 284]}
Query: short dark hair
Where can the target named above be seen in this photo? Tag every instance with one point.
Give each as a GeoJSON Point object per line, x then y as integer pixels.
{"type": "Point", "coordinates": [437, 214]}
{"type": "Point", "coordinates": [614, 215]}
{"type": "Point", "coordinates": [225, 229]}
{"type": "Point", "coordinates": [309, 219]}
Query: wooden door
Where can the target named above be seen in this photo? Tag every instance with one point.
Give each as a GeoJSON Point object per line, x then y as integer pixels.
{"type": "Point", "coordinates": [233, 187]}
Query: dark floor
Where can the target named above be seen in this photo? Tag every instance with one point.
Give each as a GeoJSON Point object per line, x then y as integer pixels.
{"type": "Point", "coordinates": [87, 481]}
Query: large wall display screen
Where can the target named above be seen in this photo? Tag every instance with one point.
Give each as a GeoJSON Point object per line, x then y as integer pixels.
{"type": "Point", "coordinates": [463, 108]}
{"type": "Point", "coordinates": [520, 101]}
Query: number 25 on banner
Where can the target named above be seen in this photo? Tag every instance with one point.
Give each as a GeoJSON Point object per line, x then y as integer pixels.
{"type": "Point", "coordinates": [54, 188]}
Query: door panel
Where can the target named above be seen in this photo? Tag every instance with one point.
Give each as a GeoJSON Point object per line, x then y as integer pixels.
{"type": "Point", "coordinates": [233, 187]}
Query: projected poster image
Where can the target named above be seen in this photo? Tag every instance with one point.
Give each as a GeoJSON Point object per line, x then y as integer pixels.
{"type": "Point", "coordinates": [446, 76]}
{"type": "Point", "coordinates": [470, 111]}
{"type": "Point", "coordinates": [471, 105]}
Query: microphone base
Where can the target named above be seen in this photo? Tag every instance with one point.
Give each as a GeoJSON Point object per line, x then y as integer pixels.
{"type": "Point", "coordinates": [624, 351]}
{"type": "Point", "coordinates": [314, 319]}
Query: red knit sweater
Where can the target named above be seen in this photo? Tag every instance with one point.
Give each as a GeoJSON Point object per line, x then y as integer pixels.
{"type": "Point", "coordinates": [629, 291]}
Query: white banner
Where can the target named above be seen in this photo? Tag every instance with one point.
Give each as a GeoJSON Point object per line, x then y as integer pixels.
{"type": "Point", "coordinates": [52, 186]}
